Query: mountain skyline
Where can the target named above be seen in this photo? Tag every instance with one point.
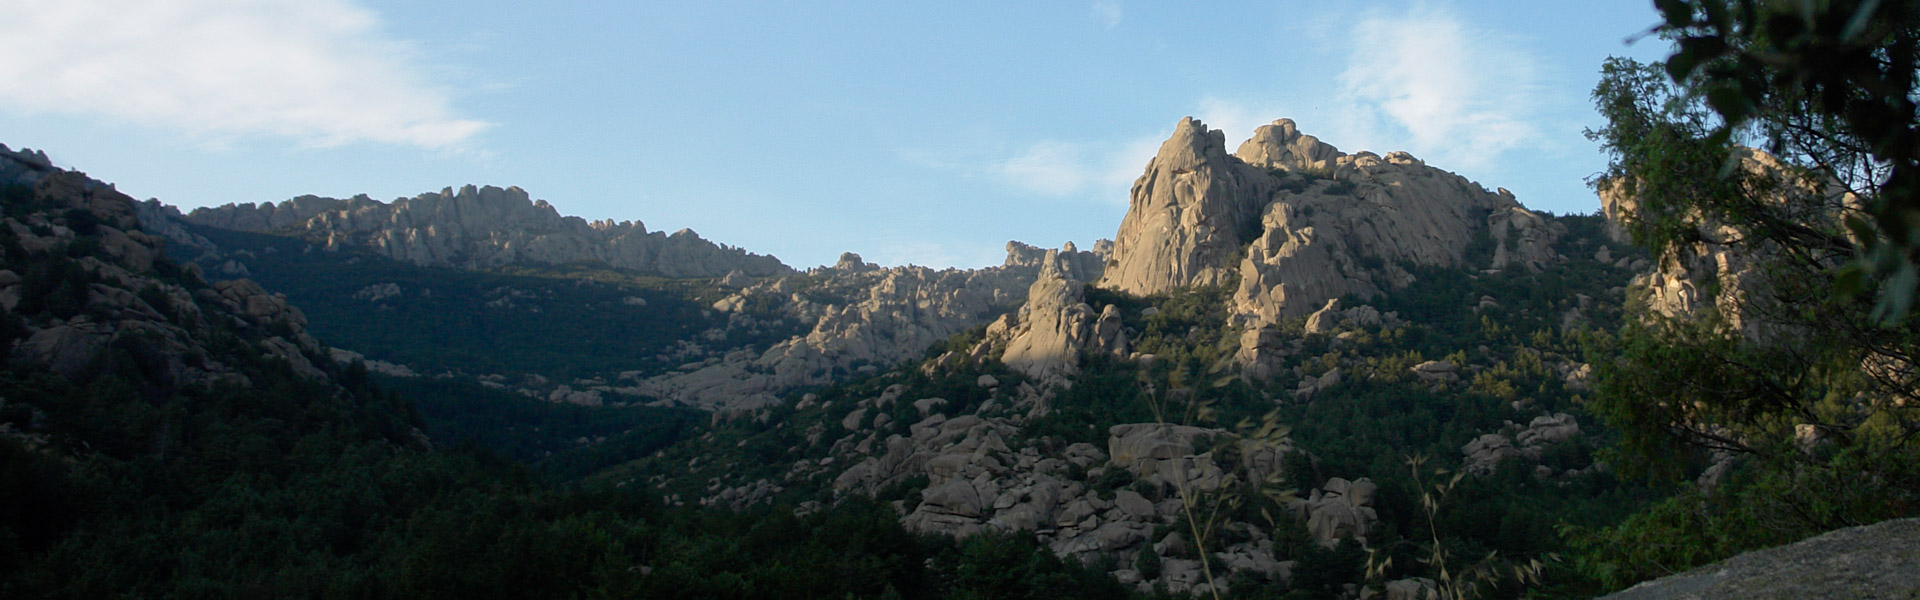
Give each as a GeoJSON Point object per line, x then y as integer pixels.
{"type": "Point", "coordinates": [941, 134]}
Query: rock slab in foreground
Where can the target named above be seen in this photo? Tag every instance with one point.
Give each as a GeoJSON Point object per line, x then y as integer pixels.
{"type": "Point", "coordinates": [1874, 561]}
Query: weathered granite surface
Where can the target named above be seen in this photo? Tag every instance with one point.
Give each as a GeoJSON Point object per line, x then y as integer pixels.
{"type": "Point", "coordinates": [1872, 561]}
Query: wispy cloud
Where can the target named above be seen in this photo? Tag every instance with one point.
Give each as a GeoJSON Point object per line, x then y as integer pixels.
{"type": "Point", "coordinates": [1077, 169]}
{"type": "Point", "coordinates": [1462, 93]}
{"type": "Point", "coordinates": [319, 72]}
{"type": "Point", "coordinates": [1107, 13]}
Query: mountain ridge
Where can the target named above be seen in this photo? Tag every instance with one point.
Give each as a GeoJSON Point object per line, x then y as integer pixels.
{"type": "Point", "coordinates": [487, 226]}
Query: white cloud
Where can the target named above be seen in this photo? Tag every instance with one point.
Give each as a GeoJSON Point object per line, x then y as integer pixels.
{"type": "Point", "coordinates": [317, 71]}
{"type": "Point", "coordinates": [1107, 13]}
{"type": "Point", "coordinates": [1069, 169]}
{"type": "Point", "coordinates": [1461, 93]}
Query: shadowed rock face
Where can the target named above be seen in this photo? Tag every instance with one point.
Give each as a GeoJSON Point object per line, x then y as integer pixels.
{"type": "Point", "coordinates": [1721, 271]}
{"type": "Point", "coordinates": [1301, 222]}
{"type": "Point", "coordinates": [1873, 561]}
{"type": "Point", "coordinates": [169, 324]}
{"type": "Point", "coordinates": [488, 226]}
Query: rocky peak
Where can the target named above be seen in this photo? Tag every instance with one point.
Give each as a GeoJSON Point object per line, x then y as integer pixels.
{"type": "Point", "coordinates": [1187, 215]}
{"type": "Point", "coordinates": [1025, 255]}
{"type": "Point", "coordinates": [1282, 146]}
{"type": "Point", "coordinates": [15, 165]}
{"type": "Point", "coordinates": [1068, 261]}
{"type": "Point", "coordinates": [1056, 323]}
{"type": "Point", "coordinates": [1301, 222]}
{"type": "Point", "coordinates": [852, 263]}
{"type": "Point", "coordinates": [1193, 145]}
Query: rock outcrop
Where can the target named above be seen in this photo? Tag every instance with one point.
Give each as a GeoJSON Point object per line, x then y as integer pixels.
{"type": "Point", "coordinates": [977, 483]}
{"type": "Point", "coordinates": [1484, 453]}
{"type": "Point", "coordinates": [1046, 336]}
{"type": "Point", "coordinates": [1339, 510]}
{"type": "Point", "coordinates": [86, 278]}
{"type": "Point", "coordinates": [1340, 224]}
{"type": "Point", "coordinates": [1879, 561]}
{"type": "Point", "coordinates": [862, 314]}
{"type": "Point", "coordinates": [1720, 271]}
{"type": "Point", "coordinates": [1300, 222]}
{"type": "Point", "coordinates": [1187, 216]}
{"type": "Point", "coordinates": [485, 227]}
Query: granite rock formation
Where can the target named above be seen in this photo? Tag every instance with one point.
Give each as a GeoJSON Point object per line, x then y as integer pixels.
{"type": "Point", "coordinates": [1719, 272]}
{"type": "Point", "coordinates": [1296, 222]}
{"type": "Point", "coordinates": [977, 482]}
{"type": "Point", "coordinates": [1301, 222]}
{"type": "Point", "coordinates": [861, 314]}
{"type": "Point", "coordinates": [1187, 215]}
{"type": "Point", "coordinates": [1045, 337]}
{"type": "Point", "coordinates": [86, 279]}
{"type": "Point", "coordinates": [487, 227]}
{"type": "Point", "coordinates": [1879, 561]}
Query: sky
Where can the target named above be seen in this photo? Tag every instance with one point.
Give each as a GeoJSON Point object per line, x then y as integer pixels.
{"type": "Point", "coordinates": [908, 132]}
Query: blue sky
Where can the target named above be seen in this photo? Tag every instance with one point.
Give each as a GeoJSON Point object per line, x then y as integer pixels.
{"type": "Point", "coordinates": [909, 132]}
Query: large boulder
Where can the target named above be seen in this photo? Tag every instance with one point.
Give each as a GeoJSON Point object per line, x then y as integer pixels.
{"type": "Point", "coordinates": [1054, 325]}
{"type": "Point", "coordinates": [68, 348]}
{"type": "Point", "coordinates": [1484, 454]}
{"type": "Point", "coordinates": [1339, 510]}
{"type": "Point", "coordinates": [1879, 561]}
{"type": "Point", "coordinates": [1156, 450]}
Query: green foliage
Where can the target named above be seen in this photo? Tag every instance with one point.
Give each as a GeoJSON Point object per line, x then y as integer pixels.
{"type": "Point", "coordinates": [1147, 562]}
{"type": "Point", "coordinates": [57, 285]}
{"type": "Point", "coordinates": [1321, 574]}
{"type": "Point", "coordinates": [1793, 381]}
{"type": "Point", "coordinates": [996, 565]}
{"type": "Point", "coordinates": [1107, 393]}
{"type": "Point", "coordinates": [559, 322]}
{"type": "Point", "coordinates": [765, 447]}
{"type": "Point", "coordinates": [1831, 85]}
{"type": "Point", "coordinates": [543, 433]}
{"type": "Point", "coordinates": [1756, 506]}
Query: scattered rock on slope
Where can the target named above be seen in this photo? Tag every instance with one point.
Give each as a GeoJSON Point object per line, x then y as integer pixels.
{"type": "Point", "coordinates": [861, 313]}
{"type": "Point", "coordinates": [114, 297]}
